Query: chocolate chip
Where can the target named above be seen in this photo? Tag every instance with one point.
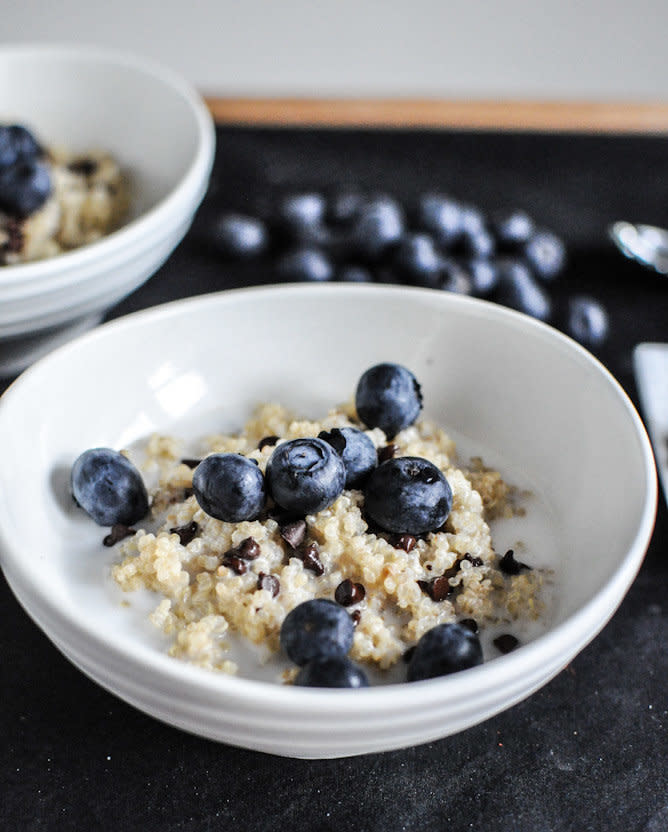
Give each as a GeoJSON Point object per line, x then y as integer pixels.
{"type": "Point", "coordinates": [348, 593]}
{"type": "Point", "coordinates": [311, 560]}
{"type": "Point", "coordinates": [118, 532]}
{"type": "Point", "coordinates": [190, 462]}
{"type": "Point", "coordinates": [470, 624]}
{"type": "Point", "coordinates": [188, 492]}
{"type": "Point", "coordinates": [235, 563]}
{"type": "Point", "coordinates": [14, 232]}
{"type": "Point", "coordinates": [404, 541]}
{"type": "Point", "coordinates": [437, 589]}
{"type": "Point", "coordinates": [473, 560]}
{"type": "Point", "coordinates": [248, 549]}
{"type": "Point", "coordinates": [387, 452]}
{"type": "Point", "coordinates": [267, 440]}
{"type": "Point", "coordinates": [356, 615]}
{"type": "Point", "coordinates": [506, 643]}
{"type": "Point", "coordinates": [510, 566]}
{"type": "Point", "coordinates": [186, 533]}
{"type": "Point", "coordinates": [270, 583]}
{"type": "Point", "coordinates": [293, 533]}
{"type": "Point", "coordinates": [84, 166]}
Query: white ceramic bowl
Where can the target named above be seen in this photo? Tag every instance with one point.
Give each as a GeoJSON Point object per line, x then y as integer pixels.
{"type": "Point", "coordinates": [517, 387]}
{"type": "Point", "coordinates": [163, 136]}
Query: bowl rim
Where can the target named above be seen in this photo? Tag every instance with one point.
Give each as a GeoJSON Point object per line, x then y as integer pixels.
{"type": "Point", "coordinates": [577, 629]}
{"type": "Point", "coordinates": [139, 230]}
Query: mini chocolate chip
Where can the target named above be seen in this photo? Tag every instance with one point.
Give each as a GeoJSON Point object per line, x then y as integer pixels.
{"type": "Point", "coordinates": [235, 563]}
{"type": "Point", "coordinates": [293, 533]}
{"type": "Point", "coordinates": [188, 492]}
{"type": "Point", "coordinates": [404, 541]}
{"type": "Point", "coordinates": [14, 231]}
{"type": "Point", "coordinates": [248, 549]}
{"type": "Point", "coordinates": [267, 440]}
{"type": "Point", "coordinates": [84, 166]}
{"type": "Point", "coordinates": [356, 615]}
{"type": "Point", "coordinates": [270, 583]}
{"type": "Point", "coordinates": [186, 533]}
{"type": "Point", "coordinates": [470, 624]}
{"type": "Point", "coordinates": [473, 560]}
{"type": "Point", "coordinates": [118, 532]}
{"type": "Point", "coordinates": [191, 462]}
{"type": "Point", "coordinates": [387, 452]}
{"type": "Point", "coordinates": [510, 566]}
{"type": "Point", "coordinates": [348, 593]}
{"type": "Point", "coordinates": [437, 589]}
{"type": "Point", "coordinates": [311, 560]}
{"type": "Point", "coordinates": [506, 643]}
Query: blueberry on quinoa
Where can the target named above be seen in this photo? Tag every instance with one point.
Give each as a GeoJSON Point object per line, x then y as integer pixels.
{"type": "Point", "coordinates": [17, 143]}
{"type": "Point", "coordinates": [408, 495]}
{"type": "Point", "coordinates": [357, 451]}
{"type": "Point", "coordinates": [445, 649]}
{"type": "Point", "coordinates": [337, 672]}
{"type": "Point", "coordinates": [24, 187]}
{"type": "Point", "coordinates": [108, 487]}
{"type": "Point", "coordinates": [316, 629]}
{"type": "Point", "coordinates": [229, 487]}
{"type": "Point", "coordinates": [305, 475]}
{"type": "Point", "coordinates": [388, 396]}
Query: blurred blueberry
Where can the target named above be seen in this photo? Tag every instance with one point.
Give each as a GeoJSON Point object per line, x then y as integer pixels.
{"type": "Point", "coordinates": [587, 320]}
{"type": "Point", "coordinates": [301, 209]}
{"type": "Point", "coordinates": [17, 144]}
{"type": "Point", "coordinates": [546, 254]}
{"type": "Point", "coordinates": [518, 289]}
{"type": "Point", "coordinates": [418, 260]}
{"type": "Point", "coordinates": [440, 215]}
{"type": "Point", "coordinates": [378, 226]}
{"type": "Point", "coordinates": [473, 220]}
{"type": "Point", "coordinates": [478, 243]}
{"type": "Point", "coordinates": [24, 187]}
{"type": "Point", "coordinates": [350, 273]}
{"type": "Point", "coordinates": [241, 236]}
{"type": "Point", "coordinates": [484, 275]}
{"type": "Point", "coordinates": [513, 229]}
{"type": "Point", "coordinates": [305, 264]}
{"type": "Point", "coordinates": [344, 205]}
{"type": "Point", "coordinates": [455, 278]}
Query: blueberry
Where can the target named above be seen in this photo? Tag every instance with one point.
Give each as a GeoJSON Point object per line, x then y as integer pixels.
{"type": "Point", "coordinates": [307, 264]}
{"type": "Point", "coordinates": [241, 236]}
{"type": "Point", "coordinates": [587, 320]}
{"type": "Point", "coordinates": [408, 495]}
{"type": "Point", "coordinates": [512, 230]}
{"type": "Point", "coordinates": [316, 629]}
{"type": "Point", "coordinates": [472, 220]}
{"type": "Point", "coordinates": [108, 487]}
{"type": "Point", "coordinates": [484, 276]}
{"type": "Point", "coordinates": [455, 278]}
{"type": "Point", "coordinates": [344, 205]}
{"type": "Point", "coordinates": [357, 451]}
{"type": "Point", "coordinates": [300, 210]}
{"type": "Point", "coordinates": [354, 274]}
{"type": "Point", "coordinates": [17, 144]}
{"type": "Point", "coordinates": [335, 672]}
{"type": "Point", "coordinates": [518, 289]}
{"type": "Point", "coordinates": [446, 648]}
{"type": "Point", "coordinates": [388, 397]}
{"type": "Point", "coordinates": [442, 216]}
{"type": "Point", "coordinates": [24, 187]}
{"type": "Point", "coordinates": [418, 260]}
{"type": "Point", "coordinates": [229, 487]}
{"type": "Point", "coordinates": [546, 254]}
{"type": "Point", "coordinates": [378, 226]}
{"type": "Point", "coordinates": [305, 475]}
{"type": "Point", "coordinates": [478, 243]}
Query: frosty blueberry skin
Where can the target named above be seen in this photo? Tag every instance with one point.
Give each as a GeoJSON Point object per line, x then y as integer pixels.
{"type": "Point", "coordinates": [108, 487]}
{"type": "Point", "coordinates": [337, 672]}
{"type": "Point", "coordinates": [305, 475]}
{"type": "Point", "coordinates": [357, 451]}
{"type": "Point", "coordinates": [445, 649]}
{"type": "Point", "coordinates": [388, 397]}
{"type": "Point", "coordinates": [316, 629]}
{"type": "Point", "coordinates": [408, 495]}
{"type": "Point", "coordinates": [229, 487]}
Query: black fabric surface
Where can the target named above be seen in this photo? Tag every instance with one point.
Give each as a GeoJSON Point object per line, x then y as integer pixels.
{"type": "Point", "coordinates": [587, 752]}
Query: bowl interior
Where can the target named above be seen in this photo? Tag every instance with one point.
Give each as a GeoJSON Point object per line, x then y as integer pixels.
{"type": "Point", "coordinates": [518, 388]}
{"type": "Point", "coordinates": [83, 99]}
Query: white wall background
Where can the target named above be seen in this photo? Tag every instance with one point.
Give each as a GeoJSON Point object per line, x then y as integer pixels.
{"type": "Point", "coordinates": [549, 49]}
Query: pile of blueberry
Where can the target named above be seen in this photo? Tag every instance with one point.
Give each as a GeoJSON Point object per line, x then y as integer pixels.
{"type": "Point", "coordinates": [439, 243]}
{"type": "Point", "coordinates": [404, 495]}
{"type": "Point", "coordinates": [25, 181]}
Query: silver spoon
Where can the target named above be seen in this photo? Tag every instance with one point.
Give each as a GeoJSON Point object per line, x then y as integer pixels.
{"type": "Point", "coordinates": [646, 244]}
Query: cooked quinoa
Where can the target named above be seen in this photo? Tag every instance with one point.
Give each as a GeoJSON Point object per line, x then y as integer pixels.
{"type": "Point", "coordinates": [89, 199]}
{"type": "Point", "coordinates": [409, 584]}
